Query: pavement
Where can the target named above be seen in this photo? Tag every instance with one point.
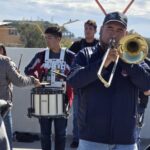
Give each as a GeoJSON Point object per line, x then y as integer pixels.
{"type": "Point", "coordinates": [36, 145]}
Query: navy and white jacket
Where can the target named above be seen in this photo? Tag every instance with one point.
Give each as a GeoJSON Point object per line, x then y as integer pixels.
{"type": "Point", "coordinates": [107, 115]}
{"type": "Point", "coordinates": [35, 68]}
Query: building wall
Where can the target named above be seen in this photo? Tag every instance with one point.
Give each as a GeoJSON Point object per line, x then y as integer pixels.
{"type": "Point", "coordinates": [10, 36]}
{"type": "Point", "coordinates": [21, 99]}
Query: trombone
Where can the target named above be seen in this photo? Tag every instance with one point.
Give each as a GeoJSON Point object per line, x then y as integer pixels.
{"type": "Point", "coordinates": [132, 49]}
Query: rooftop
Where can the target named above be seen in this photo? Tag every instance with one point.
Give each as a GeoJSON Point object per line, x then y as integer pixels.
{"type": "Point", "coordinates": [4, 23]}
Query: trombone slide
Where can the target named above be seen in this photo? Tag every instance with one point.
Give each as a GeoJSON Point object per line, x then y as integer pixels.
{"type": "Point", "coordinates": [99, 74]}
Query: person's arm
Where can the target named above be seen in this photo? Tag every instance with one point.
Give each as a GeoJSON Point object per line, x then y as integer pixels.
{"type": "Point", "coordinates": [147, 93]}
{"type": "Point", "coordinates": [69, 57]}
{"type": "Point", "coordinates": [16, 78]}
{"type": "Point", "coordinates": [82, 73]}
{"type": "Point", "coordinates": [138, 75]}
{"type": "Point", "coordinates": [147, 61]}
{"type": "Point", "coordinates": [33, 66]}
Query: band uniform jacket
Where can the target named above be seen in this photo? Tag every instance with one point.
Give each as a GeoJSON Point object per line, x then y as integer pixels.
{"type": "Point", "coordinates": [35, 68]}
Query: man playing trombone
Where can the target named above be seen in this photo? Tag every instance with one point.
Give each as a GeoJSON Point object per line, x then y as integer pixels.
{"type": "Point", "coordinates": [107, 116]}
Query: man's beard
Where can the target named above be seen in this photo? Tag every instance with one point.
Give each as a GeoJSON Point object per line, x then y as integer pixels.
{"type": "Point", "coordinates": [104, 45]}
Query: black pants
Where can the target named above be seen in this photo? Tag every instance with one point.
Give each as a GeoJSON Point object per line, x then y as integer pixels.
{"type": "Point", "coordinates": [60, 125]}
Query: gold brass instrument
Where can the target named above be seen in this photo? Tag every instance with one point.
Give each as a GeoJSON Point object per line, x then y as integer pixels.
{"type": "Point", "coordinates": [132, 49]}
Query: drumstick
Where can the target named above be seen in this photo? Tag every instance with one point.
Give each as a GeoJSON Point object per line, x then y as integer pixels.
{"type": "Point", "coordinates": [44, 83]}
{"type": "Point", "coordinates": [20, 62]}
{"type": "Point", "coordinates": [60, 74]}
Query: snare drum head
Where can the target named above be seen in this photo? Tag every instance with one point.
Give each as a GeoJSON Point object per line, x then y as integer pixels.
{"type": "Point", "coordinates": [46, 90]}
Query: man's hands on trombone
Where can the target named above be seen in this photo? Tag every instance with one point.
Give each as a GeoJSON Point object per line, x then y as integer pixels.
{"type": "Point", "coordinates": [112, 56]}
{"type": "Point", "coordinates": [147, 93]}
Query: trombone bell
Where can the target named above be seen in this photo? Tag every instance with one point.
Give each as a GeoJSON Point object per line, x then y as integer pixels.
{"type": "Point", "coordinates": [133, 49]}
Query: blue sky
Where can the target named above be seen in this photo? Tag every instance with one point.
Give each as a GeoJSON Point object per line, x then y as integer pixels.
{"type": "Point", "coordinates": [60, 11]}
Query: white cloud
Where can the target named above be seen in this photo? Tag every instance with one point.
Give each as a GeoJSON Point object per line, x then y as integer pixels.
{"type": "Point", "coordinates": [60, 11]}
{"type": "Point", "coordinates": [138, 7]}
{"type": "Point", "coordinates": [48, 7]}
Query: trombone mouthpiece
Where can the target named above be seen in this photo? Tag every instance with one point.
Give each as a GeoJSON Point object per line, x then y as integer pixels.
{"type": "Point", "coordinates": [112, 43]}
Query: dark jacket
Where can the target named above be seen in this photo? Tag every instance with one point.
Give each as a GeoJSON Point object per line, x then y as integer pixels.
{"type": "Point", "coordinates": [107, 115]}
{"type": "Point", "coordinates": [78, 45]}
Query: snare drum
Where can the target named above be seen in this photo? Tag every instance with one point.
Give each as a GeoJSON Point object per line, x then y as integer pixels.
{"type": "Point", "coordinates": [47, 102]}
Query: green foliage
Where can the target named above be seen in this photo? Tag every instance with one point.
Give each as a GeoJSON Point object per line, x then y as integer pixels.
{"type": "Point", "coordinates": [66, 42]}
{"type": "Point", "coordinates": [32, 33]}
{"type": "Point", "coordinates": [31, 36]}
